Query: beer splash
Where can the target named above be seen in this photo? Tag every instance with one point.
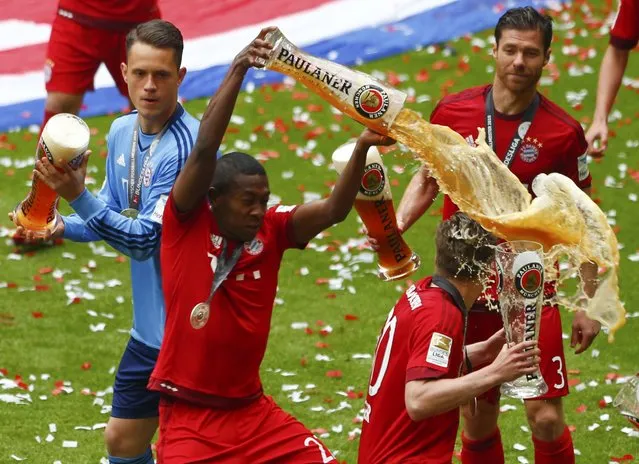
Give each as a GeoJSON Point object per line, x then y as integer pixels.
{"type": "Point", "coordinates": [562, 217]}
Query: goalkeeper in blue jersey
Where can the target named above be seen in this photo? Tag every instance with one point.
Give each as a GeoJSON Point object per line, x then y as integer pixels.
{"type": "Point", "coordinates": [146, 151]}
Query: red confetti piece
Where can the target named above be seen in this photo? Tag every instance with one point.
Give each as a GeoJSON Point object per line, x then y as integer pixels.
{"type": "Point", "coordinates": [42, 288]}
{"type": "Point", "coordinates": [602, 403]}
{"type": "Point", "coordinates": [280, 126]}
{"type": "Point", "coordinates": [334, 374]}
{"type": "Point", "coordinates": [572, 428]}
{"type": "Point", "coordinates": [76, 300]}
{"type": "Point", "coordinates": [574, 372]}
{"type": "Point", "coordinates": [612, 376]}
{"type": "Point", "coordinates": [300, 95]}
{"type": "Point", "coordinates": [625, 457]}
{"type": "Point", "coordinates": [439, 65]}
{"type": "Point", "coordinates": [324, 333]}
{"type": "Point", "coordinates": [581, 408]}
{"type": "Point", "coordinates": [331, 296]}
{"type": "Point", "coordinates": [393, 79]}
{"type": "Point", "coordinates": [422, 76]}
{"type": "Point", "coordinates": [314, 133]}
{"type": "Point", "coordinates": [321, 281]}
{"type": "Point", "coordinates": [303, 361]}
{"type": "Point", "coordinates": [314, 108]}
{"type": "Point", "coordinates": [321, 345]}
{"type": "Point", "coordinates": [319, 431]}
{"type": "Point", "coordinates": [86, 366]}
{"type": "Point", "coordinates": [308, 331]}
{"type": "Point", "coordinates": [4, 371]}
{"type": "Point", "coordinates": [45, 270]}
{"type": "Point", "coordinates": [120, 259]}
{"type": "Point", "coordinates": [353, 395]}
{"type": "Point", "coordinates": [37, 278]}
{"type": "Point", "coordinates": [573, 382]}
{"type": "Point", "coordinates": [320, 323]}
{"type": "Point", "coordinates": [351, 317]}
{"type": "Point", "coordinates": [37, 315]}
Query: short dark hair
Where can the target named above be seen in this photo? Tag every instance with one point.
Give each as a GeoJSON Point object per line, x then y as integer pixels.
{"type": "Point", "coordinates": [232, 164]}
{"type": "Point", "coordinates": [159, 34]}
{"type": "Point", "coordinates": [525, 19]}
{"type": "Point", "coordinates": [464, 248]}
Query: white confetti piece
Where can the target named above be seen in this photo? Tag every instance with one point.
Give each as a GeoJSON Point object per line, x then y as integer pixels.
{"type": "Point", "coordinates": [99, 327]}
{"type": "Point", "coordinates": [69, 444]}
{"type": "Point", "coordinates": [608, 399]}
{"type": "Point", "coordinates": [361, 356]}
{"type": "Point", "coordinates": [614, 367]}
{"type": "Point", "coordinates": [287, 174]}
{"type": "Point", "coordinates": [507, 407]}
{"type": "Point", "coordinates": [594, 353]}
{"type": "Point", "coordinates": [524, 428]}
{"type": "Point", "coordinates": [522, 460]}
{"type": "Point", "coordinates": [299, 325]}
{"type": "Point", "coordinates": [49, 438]}
{"type": "Point", "coordinates": [592, 427]}
{"type": "Point", "coordinates": [17, 458]}
{"type": "Point", "coordinates": [604, 417]}
{"type": "Point", "coordinates": [580, 387]}
{"type": "Point", "coordinates": [38, 439]}
{"type": "Point", "coordinates": [53, 428]}
{"type": "Point", "coordinates": [289, 387]}
{"type": "Point", "coordinates": [304, 271]}
{"type": "Point", "coordinates": [298, 397]}
{"type": "Point", "coordinates": [11, 399]}
{"type": "Point", "coordinates": [98, 426]}
{"type": "Point", "coordinates": [310, 386]}
{"type": "Point", "coordinates": [82, 427]}
{"type": "Point", "coordinates": [337, 428]}
{"type": "Point", "coordinates": [632, 197]}
{"type": "Point", "coordinates": [322, 358]}
{"type": "Point", "coordinates": [14, 257]}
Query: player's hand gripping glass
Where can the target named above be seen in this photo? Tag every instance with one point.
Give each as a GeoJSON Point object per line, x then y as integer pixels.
{"type": "Point", "coordinates": [64, 139]}
{"type": "Point", "coordinates": [520, 268]}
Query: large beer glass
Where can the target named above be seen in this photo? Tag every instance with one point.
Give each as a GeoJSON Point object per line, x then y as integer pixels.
{"type": "Point", "coordinates": [520, 266]}
{"type": "Point", "coordinates": [357, 94]}
{"type": "Point", "coordinates": [627, 400]}
{"type": "Point", "coordinates": [374, 204]}
{"type": "Point", "coordinates": [64, 139]}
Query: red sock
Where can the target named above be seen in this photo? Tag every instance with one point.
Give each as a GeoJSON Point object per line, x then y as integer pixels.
{"type": "Point", "coordinates": [489, 450]}
{"type": "Point", "coordinates": [47, 115]}
{"type": "Point", "coordinates": [559, 451]}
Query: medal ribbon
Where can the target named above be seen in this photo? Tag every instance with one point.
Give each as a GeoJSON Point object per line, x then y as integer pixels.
{"type": "Point", "coordinates": [515, 143]}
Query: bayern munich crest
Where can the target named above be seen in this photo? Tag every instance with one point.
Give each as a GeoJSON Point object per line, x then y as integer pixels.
{"type": "Point", "coordinates": [529, 280]}
{"type": "Point", "coordinates": [373, 180]}
{"type": "Point", "coordinates": [371, 101]}
{"type": "Point", "coordinates": [254, 247]}
{"type": "Point", "coordinates": [530, 150]}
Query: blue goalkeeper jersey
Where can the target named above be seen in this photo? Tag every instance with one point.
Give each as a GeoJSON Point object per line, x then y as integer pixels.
{"type": "Point", "coordinates": [99, 218]}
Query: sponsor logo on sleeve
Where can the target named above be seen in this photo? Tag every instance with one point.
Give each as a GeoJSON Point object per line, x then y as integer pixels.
{"type": "Point", "coordinates": [158, 211]}
{"type": "Point", "coordinates": [439, 350]}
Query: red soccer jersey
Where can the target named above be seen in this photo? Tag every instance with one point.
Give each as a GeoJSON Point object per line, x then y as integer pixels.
{"type": "Point", "coordinates": [119, 11]}
{"type": "Point", "coordinates": [422, 339]}
{"type": "Point", "coordinates": [625, 30]}
{"type": "Point", "coordinates": [555, 142]}
{"type": "Point", "coordinates": [217, 365]}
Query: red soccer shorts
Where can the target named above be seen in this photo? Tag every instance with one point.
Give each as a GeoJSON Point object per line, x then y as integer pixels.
{"type": "Point", "coordinates": [76, 51]}
{"type": "Point", "coordinates": [482, 324]}
{"type": "Point", "coordinates": [259, 433]}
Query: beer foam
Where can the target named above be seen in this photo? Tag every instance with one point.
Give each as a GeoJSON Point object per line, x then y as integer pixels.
{"type": "Point", "coordinates": [66, 136]}
{"type": "Point", "coordinates": [562, 218]}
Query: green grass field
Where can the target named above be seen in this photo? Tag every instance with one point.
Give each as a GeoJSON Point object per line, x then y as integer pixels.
{"type": "Point", "coordinates": [66, 353]}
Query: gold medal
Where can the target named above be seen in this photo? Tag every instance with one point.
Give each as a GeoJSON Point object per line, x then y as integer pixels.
{"type": "Point", "coordinates": [200, 315]}
{"type": "Point", "coordinates": [130, 213]}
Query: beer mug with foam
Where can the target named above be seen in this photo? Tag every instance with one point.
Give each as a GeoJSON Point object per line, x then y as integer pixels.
{"type": "Point", "coordinates": [374, 204]}
{"type": "Point", "coordinates": [64, 139]}
{"type": "Point", "coordinates": [520, 268]}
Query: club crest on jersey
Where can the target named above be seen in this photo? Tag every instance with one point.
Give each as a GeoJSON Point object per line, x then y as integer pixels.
{"type": "Point", "coordinates": [373, 180]}
{"type": "Point", "coordinates": [530, 150]}
{"type": "Point", "coordinates": [216, 240]}
{"type": "Point", "coordinates": [48, 69]}
{"type": "Point", "coordinates": [371, 101]}
{"type": "Point", "coordinates": [529, 280]}
{"type": "Point", "coordinates": [254, 247]}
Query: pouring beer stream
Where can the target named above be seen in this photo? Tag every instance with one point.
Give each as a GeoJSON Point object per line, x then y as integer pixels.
{"type": "Point", "coordinates": [562, 218]}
